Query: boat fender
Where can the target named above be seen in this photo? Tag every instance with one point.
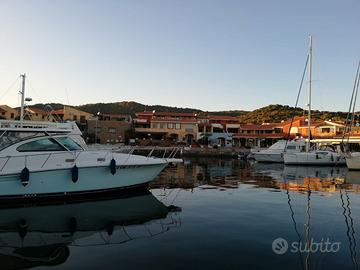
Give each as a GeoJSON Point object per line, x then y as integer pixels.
{"type": "Point", "coordinates": [317, 156]}
{"type": "Point", "coordinates": [23, 228]}
{"type": "Point", "coordinates": [72, 225]}
{"type": "Point", "coordinates": [110, 228]}
{"type": "Point", "coordinates": [25, 176]}
{"type": "Point", "coordinates": [332, 157]}
{"type": "Point", "coordinates": [112, 166]}
{"type": "Point", "coordinates": [74, 173]}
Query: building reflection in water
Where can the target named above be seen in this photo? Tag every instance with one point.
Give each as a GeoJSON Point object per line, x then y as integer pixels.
{"type": "Point", "coordinates": [41, 235]}
{"type": "Point", "coordinates": [227, 174]}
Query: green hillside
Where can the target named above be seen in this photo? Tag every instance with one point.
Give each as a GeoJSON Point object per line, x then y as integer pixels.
{"type": "Point", "coordinates": [270, 113]}
{"type": "Point", "coordinates": [131, 107]}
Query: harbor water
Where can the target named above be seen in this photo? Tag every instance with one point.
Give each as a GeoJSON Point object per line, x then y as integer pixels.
{"type": "Point", "coordinates": [203, 214]}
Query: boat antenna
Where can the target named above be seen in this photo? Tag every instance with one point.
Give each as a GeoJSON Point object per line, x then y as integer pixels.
{"type": "Point", "coordinates": [22, 92]}
{"type": "Point", "coordinates": [309, 95]}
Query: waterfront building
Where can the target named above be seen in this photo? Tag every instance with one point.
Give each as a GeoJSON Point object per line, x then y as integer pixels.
{"type": "Point", "coordinates": [68, 113]}
{"type": "Point", "coordinates": [258, 135]}
{"type": "Point", "coordinates": [174, 127]}
{"type": "Point", "coordinates": [35, 114]}
{"type": "Point", "coordinates": [8, 113]}
{"type": "Point", "coordinates": [217, 129]}
{"type": "Point", "coordinates": [108, 128]}
{"type": "Point", "coordinates": [319, 128]}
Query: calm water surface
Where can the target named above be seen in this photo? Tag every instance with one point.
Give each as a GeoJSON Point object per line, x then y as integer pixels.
{"type": "Point", "coordinates": [203, 214]}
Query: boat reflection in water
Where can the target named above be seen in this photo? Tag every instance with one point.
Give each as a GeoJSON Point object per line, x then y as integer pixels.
{"type": "Point", "coordinates": [229, 174]}
{"type": "Point", "coordinates": [325, 179]}
{"type": "Point", "coordinates": [41, 235]}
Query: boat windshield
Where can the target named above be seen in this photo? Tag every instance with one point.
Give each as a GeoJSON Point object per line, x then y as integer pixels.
{"type": "Point", "coordinates": [69, 143]}
{"type": "Point", "coordinates": [10, 137]}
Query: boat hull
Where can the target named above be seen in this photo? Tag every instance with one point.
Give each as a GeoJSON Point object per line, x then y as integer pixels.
{"type": "Point", "coordinates": [309, 158]}
{"type": "Point", "coordinates": [90, 181]}
{"type": "Point", "coordinates": [269, 157]}
{"type": "Point", "coordinates": [353, 162]}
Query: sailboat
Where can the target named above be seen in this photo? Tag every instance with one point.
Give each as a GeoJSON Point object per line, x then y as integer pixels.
{"type": "Point", "coordinates": [312, 157]}
{"type": "Point", "coordinates": [352, 158]}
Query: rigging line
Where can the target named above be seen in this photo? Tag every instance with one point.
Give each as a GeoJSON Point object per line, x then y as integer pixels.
{"type": "Point", "coordinates": [354, 105]}
{"type": "Point", "coordinates": [344, 213]}
{"type": "Point", "coordinates": [9, 88]}
{"type": "Point", "coordinates": [297, 99]}
{"type": "Point", "coordinates": [307, 226]}
{"type": "Point", "coordinates": [176, 195]}
{"type": "Point", "coordinates": [32, 88]}
{"type": "Point", "coordinates": [347, 127]}
{"type": "Point", "coordinates": [352, 228]}
{"type": "Point", "coordinates": [294, 221]}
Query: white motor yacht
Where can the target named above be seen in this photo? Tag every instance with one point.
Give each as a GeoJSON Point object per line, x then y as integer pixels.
{"type": "Point", "coordinates": [275, 153]}
{"type": "Point", "coordinates": [48, 159]}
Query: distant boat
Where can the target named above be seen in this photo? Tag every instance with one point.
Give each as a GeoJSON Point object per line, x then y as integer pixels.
{"type": "Point", "coordinates": [313, 157]}
{"type": "Point", "coordinates": [275, 153]}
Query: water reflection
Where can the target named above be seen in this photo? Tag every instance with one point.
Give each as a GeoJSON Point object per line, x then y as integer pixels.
{"type": "Point", "coordinates": [229, 174]}
{"type": "Point", "coordinates": [41, 235]}
{"type": "Point", "coordinates": [304, 210]}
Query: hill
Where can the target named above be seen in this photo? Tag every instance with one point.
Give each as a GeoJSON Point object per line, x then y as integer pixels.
{"type": "Point", "coordinates": [268, 114]}
{"type": "Point", "coordinates": [131, 107]}
{"type": "Point", "coordinates": [277, 113]}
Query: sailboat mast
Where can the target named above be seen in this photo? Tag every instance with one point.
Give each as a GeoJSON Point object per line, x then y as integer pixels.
{"type": "Point", "coordinates": [22, 92]}
{"type": "Point", "coordinates": [309, 96]}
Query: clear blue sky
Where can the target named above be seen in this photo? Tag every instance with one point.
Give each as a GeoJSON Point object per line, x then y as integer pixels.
{"type": "Point", "coordinates": [212, 55]}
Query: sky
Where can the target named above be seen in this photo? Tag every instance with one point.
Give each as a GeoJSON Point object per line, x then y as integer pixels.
{"type": "Point", "coordinates": [205, 54]}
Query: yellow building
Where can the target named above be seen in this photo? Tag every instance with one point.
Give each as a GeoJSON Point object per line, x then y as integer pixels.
{"type": "Point", "coordinates": [177, 127]}
{"type": "Point", "coordinates": [68, 113]}
{"type": "Point", "coordinates": [8, 113]}
{"type": "Point", "coordinates": [35, 114]}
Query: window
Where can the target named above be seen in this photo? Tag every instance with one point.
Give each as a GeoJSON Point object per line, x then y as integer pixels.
{"type": "Point", "coordinates": [75, 117]}
{"type": "Point", "coordinates": [12, 115]}
{"type": "Point", "coordinates": [82, 119]}
{"type": "Point", "coordinates": [40, 145]}
{"type": "Point", "coordinates": [69, 143]}
{"type": "Point", "coordinates": [112, 130]}
{"type": "Point", "coordinates": [97, 129]}
{"type": "Point", "coordinates": [3, 113]}
{"type": "Point", "coordinates": [162, 125]}
{"type": "Point", "coordinates": [170, 125]}
{"type": "Point", "coordinates": [177, 126]}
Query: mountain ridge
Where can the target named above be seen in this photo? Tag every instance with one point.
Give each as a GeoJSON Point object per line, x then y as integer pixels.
{"type": "Point", "coordinates": [269, 113]}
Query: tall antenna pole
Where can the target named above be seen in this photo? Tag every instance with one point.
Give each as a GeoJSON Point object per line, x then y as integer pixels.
{"type": "Point", "coordinates": [309, 97]}
{"type": "Point", "coordinates": [22, 92]}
